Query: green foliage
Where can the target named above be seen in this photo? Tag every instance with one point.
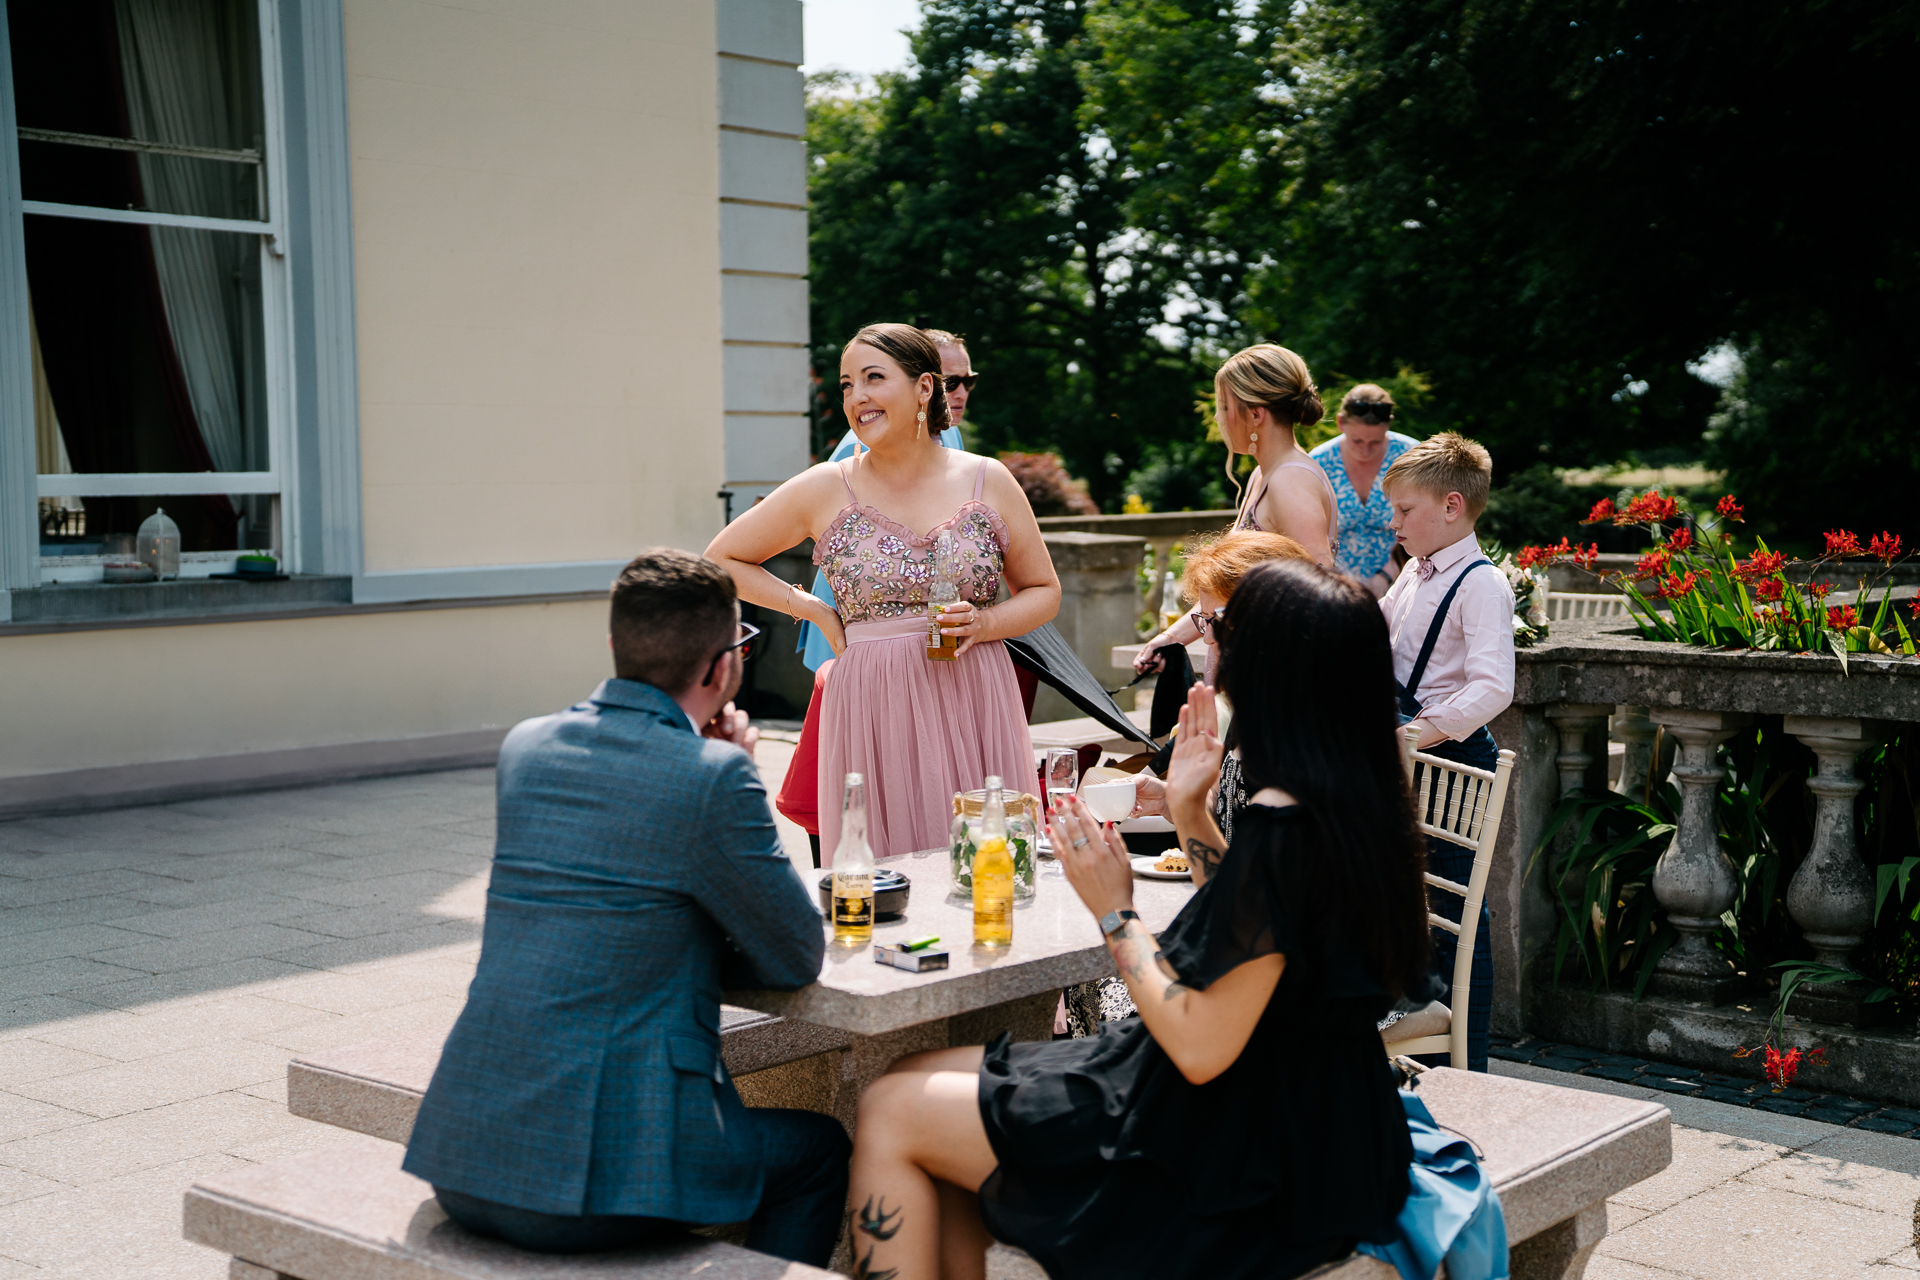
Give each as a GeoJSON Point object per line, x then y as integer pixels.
{"type": "Point", "coordinates": [1549, 209]}
{"type": "Point", "coordinates": [971, 193]}
{"type": "Point", "coordinates": [1601, 879]}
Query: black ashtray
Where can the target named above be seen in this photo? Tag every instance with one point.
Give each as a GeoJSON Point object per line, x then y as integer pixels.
{"type": "Point", "coordinates": [889, 894]}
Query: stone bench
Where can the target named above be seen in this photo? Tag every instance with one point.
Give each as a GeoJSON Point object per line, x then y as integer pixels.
{"type": "Point", "coordinates": [376, 1088]}
{"type": "Point", "coordinates": [1554, 1154]}
{"type": "Point", "coordinates": [350, 1213]}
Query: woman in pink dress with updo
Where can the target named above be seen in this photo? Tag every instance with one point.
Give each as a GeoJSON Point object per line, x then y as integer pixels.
{"type": "Point", "coordinates": [919, 729]}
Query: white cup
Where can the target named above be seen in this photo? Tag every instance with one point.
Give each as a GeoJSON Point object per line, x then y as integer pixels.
{"type": "Point", "coordinates": [1110, 801]}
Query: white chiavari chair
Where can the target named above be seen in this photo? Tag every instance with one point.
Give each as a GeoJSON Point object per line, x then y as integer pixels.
{"type": "Point", "coordinates": [1462, 804]}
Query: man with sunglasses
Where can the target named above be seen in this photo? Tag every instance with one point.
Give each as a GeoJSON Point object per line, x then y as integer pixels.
{"type": "Point", "coordinates": [1354, 461]}
{"type": "Point", "coordinates": [581, 1102]}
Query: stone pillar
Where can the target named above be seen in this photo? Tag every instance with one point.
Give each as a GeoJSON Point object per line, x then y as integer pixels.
{"type": "Point", "coordinates": [1693, 880]}
{"type": "Point", "coordinates": [1831, 896]}
{"type": "Point", "coordinates": [1631, 726]}
{"type": "Point", "coordinates": [1100, 606]}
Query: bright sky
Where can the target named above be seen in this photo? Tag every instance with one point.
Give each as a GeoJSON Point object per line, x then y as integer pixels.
{"type": "Point", "coordinates": [862, 36]}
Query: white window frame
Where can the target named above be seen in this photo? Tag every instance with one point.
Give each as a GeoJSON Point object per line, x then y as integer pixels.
{"type": "Point", "coordinates": [276, 308]}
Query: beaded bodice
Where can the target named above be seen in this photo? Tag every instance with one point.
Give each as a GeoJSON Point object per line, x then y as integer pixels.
{"type": "Point", "coordinates": [879, 568]}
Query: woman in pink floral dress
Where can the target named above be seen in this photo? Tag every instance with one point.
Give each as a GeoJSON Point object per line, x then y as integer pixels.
{"type": "Point", "coordinates": [919, 730]}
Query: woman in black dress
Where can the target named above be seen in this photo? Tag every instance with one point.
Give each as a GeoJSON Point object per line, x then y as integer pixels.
{"type": "Point", "coordinates": [1245, 1124]}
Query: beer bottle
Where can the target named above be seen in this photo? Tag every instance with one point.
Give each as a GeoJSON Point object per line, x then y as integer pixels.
{"type": "Point", "coordinates": [993, 874]}
{"type": "Point", "coordinates": [853, 870]}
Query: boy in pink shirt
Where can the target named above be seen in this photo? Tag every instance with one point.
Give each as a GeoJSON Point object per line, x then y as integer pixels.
{"type": "Point", "coordinates": [1450, 617]}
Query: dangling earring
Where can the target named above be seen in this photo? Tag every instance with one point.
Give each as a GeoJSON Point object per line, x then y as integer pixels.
{"type": "Point", "coordinates": [923, 425]}
{"type": "Point", "coordinates": [1253, 437]}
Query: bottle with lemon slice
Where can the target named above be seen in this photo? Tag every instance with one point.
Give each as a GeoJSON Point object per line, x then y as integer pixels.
{"type": "Point", "coordinates": [993, 874]}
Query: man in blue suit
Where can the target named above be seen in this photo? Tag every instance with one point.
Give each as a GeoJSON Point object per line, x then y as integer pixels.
{"type": "Point", "coordinates": [581, 1102]}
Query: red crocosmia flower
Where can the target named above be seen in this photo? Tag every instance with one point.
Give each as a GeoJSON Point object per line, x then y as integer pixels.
{"type": "Point", "coordinates": [1587, 558]}
{"type": "Point", "coordinates": [1676, 586]}
{"type": "Point", "coordinates": [1886, 546]}
{"type": "Point", "coordinates": [1842, 543]}
{"type": "Point", "coordinates": [1763, 564]}
{"type": "Point", "coordinates": [1818, 590]}
{"type": "Point", "coordinates": [1530, 556]}
{"type": "Point", "coordinates": [1651, 507]}
{"type": "Point", "coordinates": [1652, 564]}
{"type": "Point", "coordinates": [1680, 539]}
{"type": "Point", "coordinates": [1729, 509]}
{"type": "Point", "coordinates": [1843, 617]}
{"type": "Point", "coordinates": [1602, 510]}
{"type": "Point", "coordinates": [1914, 607]}
{"type": "Point", "coordinates": [1769, 589]}
{"type": "Point", "coordinates": [1781, 1068]}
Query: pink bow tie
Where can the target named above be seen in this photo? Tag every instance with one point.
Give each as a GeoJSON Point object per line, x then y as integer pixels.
{"type": "Point", "coordinates": [1427, 569]}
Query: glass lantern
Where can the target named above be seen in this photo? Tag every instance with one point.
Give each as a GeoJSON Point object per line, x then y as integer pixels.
{"type": "Point", "coordinates": [1023, 832]}
{"type": "Point", "coordinates": [158, 544]}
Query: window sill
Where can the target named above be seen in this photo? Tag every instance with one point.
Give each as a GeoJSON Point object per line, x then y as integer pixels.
{"type": "Point", "coordinates": [69, 604]}
{"type": "Point", "coordinates": [198, 601]}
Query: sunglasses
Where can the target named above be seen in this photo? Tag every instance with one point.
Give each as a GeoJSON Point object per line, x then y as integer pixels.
{"type": "Point", "coordinates": [1208, 622]}
{"type": "Point", "coordinates": [955, 381]}
{"type": "Point", "coordinates": [1371, 412]}
{"type": "Point", "coordinates": [744, 644]}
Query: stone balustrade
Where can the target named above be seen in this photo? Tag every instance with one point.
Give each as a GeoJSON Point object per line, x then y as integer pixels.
{"type": "Point", "coordinates": [1683, 703]}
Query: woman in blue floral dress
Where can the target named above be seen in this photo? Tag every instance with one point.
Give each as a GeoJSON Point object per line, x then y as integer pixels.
{"type": "Point", "coordinates": [1354, 461]}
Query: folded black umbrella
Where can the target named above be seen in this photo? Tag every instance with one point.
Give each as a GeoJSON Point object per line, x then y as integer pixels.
{"type": "Point", "coordinates": [1044, 651]}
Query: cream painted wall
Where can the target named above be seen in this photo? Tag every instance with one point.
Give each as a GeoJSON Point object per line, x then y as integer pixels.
{"type": "Point", "coordinates": [97, 698]}
{"type": "Point", "coordinates": [536, 244]}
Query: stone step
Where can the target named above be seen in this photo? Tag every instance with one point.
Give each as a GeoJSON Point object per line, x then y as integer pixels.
{"type": "Point", "coordinates": [376, 1088]}
{"type": "Point", "coordinates": [349, 1213]}
{"type": "Point", "coordinates": [1554, 1155]}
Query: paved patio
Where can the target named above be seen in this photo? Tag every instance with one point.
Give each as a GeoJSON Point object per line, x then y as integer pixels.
{"type": "Point", "coordinates": [159, 966]}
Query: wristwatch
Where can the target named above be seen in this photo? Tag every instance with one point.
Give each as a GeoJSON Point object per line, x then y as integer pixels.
{"type": "Point", "coordinates": [1112, 922]}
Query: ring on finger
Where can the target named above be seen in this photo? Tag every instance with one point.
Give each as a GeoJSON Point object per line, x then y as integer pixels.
{"type": "Point", "coordinates": [1081, 842]}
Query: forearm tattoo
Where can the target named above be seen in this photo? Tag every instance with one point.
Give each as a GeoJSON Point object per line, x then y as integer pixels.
{"type": "Point", "coordinates": [1204, 856]}
{"type": "Point", "coordinates": [881, 1224]}
{"type": "Point", "coordinates": [1137, 972]}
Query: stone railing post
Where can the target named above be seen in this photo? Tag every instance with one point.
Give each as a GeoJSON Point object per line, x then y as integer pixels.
{"type": "Point", "coordinates": [1631, 726]}
{"type": "Point", "coordinates": [1574, 720]}
{"type": "Point", "coordinates": [1831, 896]}
{"type": "Point", "coordinates": [1693, 881]}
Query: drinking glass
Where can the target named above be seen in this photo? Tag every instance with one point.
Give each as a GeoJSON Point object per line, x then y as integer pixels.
{"type": "Point", "coordinates": [1063, 773]}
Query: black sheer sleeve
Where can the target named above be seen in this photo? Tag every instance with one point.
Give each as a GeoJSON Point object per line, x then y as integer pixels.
{"type": "Point", "coordinates": [1248, 906]}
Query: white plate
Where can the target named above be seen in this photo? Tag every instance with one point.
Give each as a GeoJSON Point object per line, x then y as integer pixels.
{"type": "Point", "coordinates": [1145, 825]}
{"type": "Point", "coordinates": [1143, 866]}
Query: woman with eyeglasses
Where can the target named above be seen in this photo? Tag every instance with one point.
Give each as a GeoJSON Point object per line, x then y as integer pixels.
{"type": "Point", "coordinates": [1214, 569]}
{"type": "Point", "coordinates": [1354, 461]}
{"type": "Point", "coordinates": [919, 729]}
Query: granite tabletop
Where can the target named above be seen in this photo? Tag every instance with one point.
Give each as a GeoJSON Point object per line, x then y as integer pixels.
{"type": "Point", "coordinates": [1056, 943]}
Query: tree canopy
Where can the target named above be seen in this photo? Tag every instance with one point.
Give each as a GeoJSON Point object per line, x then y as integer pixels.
{"type": "Point", "coordinates": [1550, 211]}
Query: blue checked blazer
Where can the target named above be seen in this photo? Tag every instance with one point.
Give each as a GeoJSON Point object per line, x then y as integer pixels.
{"type": "Point", "coordinates": [584, 1074]}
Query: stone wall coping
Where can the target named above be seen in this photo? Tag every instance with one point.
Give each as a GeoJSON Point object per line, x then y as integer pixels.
{"type": "Point", "coordinates": [1598, 661]}
{"type": "Point", "coordinates": [1083, 551]}
{"type": "Point", "coordinates": [1154, 524]}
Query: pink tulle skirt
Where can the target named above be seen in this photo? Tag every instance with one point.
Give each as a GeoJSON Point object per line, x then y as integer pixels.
{"type": "Point", "coordinates": [919, 730]}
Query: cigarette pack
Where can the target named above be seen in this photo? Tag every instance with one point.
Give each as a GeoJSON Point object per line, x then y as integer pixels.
{"type": "Point", "coordinates": [912, 961]}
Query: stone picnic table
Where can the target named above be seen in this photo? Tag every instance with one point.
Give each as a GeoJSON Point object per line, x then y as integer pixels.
{"type": "Point", "coordinates": [890, 1013]}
